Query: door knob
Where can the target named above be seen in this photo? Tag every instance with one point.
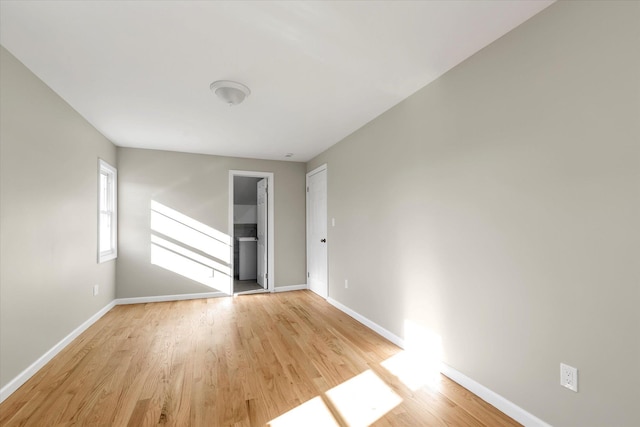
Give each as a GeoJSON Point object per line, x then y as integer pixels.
{"type": "Point", "coordinates": [323, 240]}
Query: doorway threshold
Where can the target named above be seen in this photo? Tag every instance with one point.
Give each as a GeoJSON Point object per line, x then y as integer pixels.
{"type": "Point", "coordinates": [255, 291]}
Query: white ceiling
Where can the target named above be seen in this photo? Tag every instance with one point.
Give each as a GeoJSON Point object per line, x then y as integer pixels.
{"type": "Point", "coordinates": [139, 71]}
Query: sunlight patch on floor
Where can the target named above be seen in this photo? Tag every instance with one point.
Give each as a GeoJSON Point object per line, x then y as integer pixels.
{"type": "Point", "coordinates": [411, 370]}
{"type": "Point", "coordinates": [312, 413]}
{"type": "Point", "coordinates": [363, 399]}
{"type": "Point", "coordinates": [420, 363]}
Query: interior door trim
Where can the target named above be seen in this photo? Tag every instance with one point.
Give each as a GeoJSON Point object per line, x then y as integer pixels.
{"type": "Point", "coordinates": [271, 276]}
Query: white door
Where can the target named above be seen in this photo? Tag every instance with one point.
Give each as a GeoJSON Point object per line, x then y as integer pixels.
{"type": "Point", "coordinates": [317, 231]}
{"type": "Point", "coordinates": [262, 233]}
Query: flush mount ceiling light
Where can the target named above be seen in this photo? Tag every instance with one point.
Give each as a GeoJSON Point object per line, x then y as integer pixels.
{"type": "Point", "coordinates": [232, 93]}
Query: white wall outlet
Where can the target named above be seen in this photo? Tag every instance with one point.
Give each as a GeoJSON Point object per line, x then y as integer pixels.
{"type": "Point", "coordinates": [569, 377]}
{"type": "Point", "coordinates": [346, 284]}
{"type": "Point", "coordinates": [333, 222]}
{"type": "Point", "coordinates": [96, 290]}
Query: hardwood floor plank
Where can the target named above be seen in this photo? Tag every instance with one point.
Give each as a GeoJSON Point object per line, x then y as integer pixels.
{"type": "Point", "coordinates": [240, 361]}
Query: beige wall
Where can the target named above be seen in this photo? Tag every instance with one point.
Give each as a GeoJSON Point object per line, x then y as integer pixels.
{"type": "Point", "coordinates": [197, 185]}
{"type": "Point", "coordinates": [499, 207]}
{"type": "Point", "coordinates": [48, 219]}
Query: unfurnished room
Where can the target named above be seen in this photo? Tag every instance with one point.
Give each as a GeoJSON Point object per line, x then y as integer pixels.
{"type": "Point", "coordinates": [320, 213]}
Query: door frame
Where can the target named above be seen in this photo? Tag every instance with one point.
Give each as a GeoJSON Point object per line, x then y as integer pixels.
{"type": "Point", "coordinates": [310, 173]}
{"type": "Point", "coordinates": [270, 223]}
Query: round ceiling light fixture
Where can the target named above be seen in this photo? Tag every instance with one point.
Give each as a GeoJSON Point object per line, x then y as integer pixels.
{"type": "Point", "coordinates": [230, 92]}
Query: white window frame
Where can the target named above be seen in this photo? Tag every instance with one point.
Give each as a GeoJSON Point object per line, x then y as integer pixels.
{"type": "Point", "coordinates": [112, 200]}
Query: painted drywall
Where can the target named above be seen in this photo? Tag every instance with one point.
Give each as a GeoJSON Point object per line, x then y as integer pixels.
{"type": "Point", "coordinates": [197, 185]}
{"type": "Point", "coordinates": [245, 214]}
{"type": "Point", "coordinates": [245, 200]}
{"type": "Point", "coordinates": [48, 219]}
{"type": "Point", "coordinates": [499, 208]}
{"type": "Point", "coordinates": [245, 190]}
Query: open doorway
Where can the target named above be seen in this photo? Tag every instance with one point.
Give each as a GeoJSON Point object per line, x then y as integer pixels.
{"type": "Point", "coordinates": [251, 225]}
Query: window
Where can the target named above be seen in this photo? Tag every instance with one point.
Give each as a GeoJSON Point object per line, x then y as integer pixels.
{"type": "Point", "coordinates": [107, 212]}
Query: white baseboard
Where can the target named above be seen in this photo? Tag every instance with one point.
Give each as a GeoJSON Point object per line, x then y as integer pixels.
{"type": "Point", "coordinates": [489, 396]}
{"type": "Point", "coordinates": [165, 298]}
{"type": "Point", "coordinates": [290, 288]}
{"type": "Point", "coordinates": [368, 323]}
{"type": "Point", "coordinates": [23, 376]}
{"type": "Point", "coordinates": [511, 409]}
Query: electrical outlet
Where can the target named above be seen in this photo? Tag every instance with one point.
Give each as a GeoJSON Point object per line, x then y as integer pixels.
{"type": "Point", "coordinates": [346, 284]}
{"type": "Point", "coordinates": [569, 377]}
{"type": "Point", "coordinates": [333, 222]}
{"type": "Point", "coordinates": [96, 290]}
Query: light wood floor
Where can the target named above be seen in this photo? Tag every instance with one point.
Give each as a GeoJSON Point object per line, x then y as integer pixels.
{"type": "Point", "coordinates": [285, 359]}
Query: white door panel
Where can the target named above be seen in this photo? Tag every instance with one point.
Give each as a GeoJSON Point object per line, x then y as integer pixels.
{"type": "Point", "coordinates": [262, 233]}
{"type": "Point", "coordinates": [317, 232]}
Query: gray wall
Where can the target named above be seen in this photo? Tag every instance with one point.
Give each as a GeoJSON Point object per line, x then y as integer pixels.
{"type": "Point", "coordinates": [48, 219]}
{"type": "Point", "coordinates": [197, 185]}
{"type": "Point", "coordinates": [499, 207]}
{"type": "Point", "coordinates": [245, 190]}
